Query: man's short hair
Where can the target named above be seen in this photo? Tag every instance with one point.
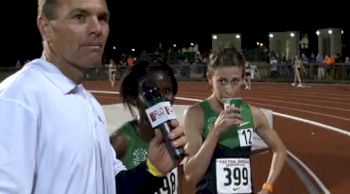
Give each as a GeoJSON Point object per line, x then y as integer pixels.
{"type": "Point", "coordinates": [47, 8]}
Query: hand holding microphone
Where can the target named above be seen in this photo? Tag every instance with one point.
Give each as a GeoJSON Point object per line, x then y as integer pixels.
{"type": "Point", "coordinates": [160, 113]}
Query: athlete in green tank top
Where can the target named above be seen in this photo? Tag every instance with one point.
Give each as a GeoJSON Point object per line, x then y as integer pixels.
{"type": "Point", "coordinates": [234, 145]}
{"type": "Point", "coordinates": [220, 137]}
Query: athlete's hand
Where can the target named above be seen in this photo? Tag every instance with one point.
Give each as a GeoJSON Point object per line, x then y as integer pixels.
{"type": "Point", "coordinates": [228, 118]}
{"type": "Point", "coordinates": [263, 191]}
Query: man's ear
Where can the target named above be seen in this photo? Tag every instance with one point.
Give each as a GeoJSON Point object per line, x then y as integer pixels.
{"type": "Point", "coordinates": [44, 27]}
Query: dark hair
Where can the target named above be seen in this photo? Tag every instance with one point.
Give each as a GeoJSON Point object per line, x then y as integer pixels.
{"type": "Point", "coordinates": [226, 57]}
{"type": "Point", "coordinates": [130, 81]}
{"type": "Point", "coordinates": [47, 8]}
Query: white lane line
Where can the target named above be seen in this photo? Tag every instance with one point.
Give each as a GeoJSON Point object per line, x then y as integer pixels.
{"type": "Point", "coordinates": [311, 173]}
{"type": "Point", "coordinates": [106, 97]}
{"type": "Point", "coordinates": [298, 103]}
{"type": "Point", "coordinates": [301, 110]}
{"type": "Point", "coordinates": [103, 92]}
{"type": "Point", "coordinates": [188, 99]}
{"type": "Point", "coordinates": [328, 127]}
{"type": "Point", "coordinates": [310, 184]}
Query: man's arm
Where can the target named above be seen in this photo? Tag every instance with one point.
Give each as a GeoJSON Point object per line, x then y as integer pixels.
{"type": "Point", "coordinates": [18, 139]}
{"type": "Point", "coordinates": [137, 180]}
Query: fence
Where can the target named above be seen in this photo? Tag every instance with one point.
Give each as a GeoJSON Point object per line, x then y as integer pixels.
{"type": "Point", "coordinates": [262, 71]}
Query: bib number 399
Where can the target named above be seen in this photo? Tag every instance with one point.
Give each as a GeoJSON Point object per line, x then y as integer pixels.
{"type": "Point", "coordinates": [233, 175]}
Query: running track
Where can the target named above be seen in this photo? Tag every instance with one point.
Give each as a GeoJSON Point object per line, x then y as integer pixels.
{"type": "Point", "coordinates": [317, 135]}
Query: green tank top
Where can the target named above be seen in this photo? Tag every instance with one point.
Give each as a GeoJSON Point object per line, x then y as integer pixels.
{"type": "Point", "coordinates": [229, 139]}
{"type": "Point", "coordinates": [137, 147]}
{"type": "Point", "coordinates": [234, 144]}
{"type": "Point", "coordinates": [137, 152]}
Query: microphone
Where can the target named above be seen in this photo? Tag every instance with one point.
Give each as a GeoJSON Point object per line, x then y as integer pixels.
{"type": "Point", "coordinates": [159, 113]}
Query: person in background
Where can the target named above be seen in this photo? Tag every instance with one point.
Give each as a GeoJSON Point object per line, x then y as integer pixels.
{"type": "Point", "coordinates": [53, 132]}
{"type": "Point", "coordinates": [220, 140]}
{"type": "Point", "coordinates": [297, 66]}
{"type": "Point", "coordinates": [247, 77]}
{"type": "Point", "coordinates": [320, 67]}
{"type": "Point", "coordinates": [273, 67]}
{"type": "Point", "coordinates": [130, 61]}
{"type": "Point", "coordinates": [329, 62]}
{"type": "Point", "coordinates": [112, 71]}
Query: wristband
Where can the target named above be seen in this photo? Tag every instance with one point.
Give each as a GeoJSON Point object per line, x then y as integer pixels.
{"type": "Point", "coordinates": [152, 169]}
{"type": "Point", "coordinates": [268, 186]}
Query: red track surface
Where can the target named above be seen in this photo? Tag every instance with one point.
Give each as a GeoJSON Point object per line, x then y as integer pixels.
{"type": "Point", "coordinates": [325, 152]}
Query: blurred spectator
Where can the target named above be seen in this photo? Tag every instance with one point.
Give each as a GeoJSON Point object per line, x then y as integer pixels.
{"type": "Point", "coordinates": [320, 67]}
{"type": "Point", "coordinates": [273, 68]}
{"type": "Point", "coordinates": [297, 71]}
{"type": "Point", "coordinates": [18, 64]}
{"type": "Point", "coordinates": [346, 59]}
{"type": "Point", "coordinates": [130, 61]}
{"type": "Point", "coordinates": [112, 70]}
{"type": "Point", "coordinates": [247, 77]}
{"type": "Point", "coordinates": [329, 62]}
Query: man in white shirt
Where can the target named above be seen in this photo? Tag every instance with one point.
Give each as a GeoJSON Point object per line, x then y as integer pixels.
{"type": "Point", "coordinates": [53, 134]}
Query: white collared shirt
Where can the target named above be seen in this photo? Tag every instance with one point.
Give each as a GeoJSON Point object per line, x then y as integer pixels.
{"type": "Point", "coordinates": [53, 136]}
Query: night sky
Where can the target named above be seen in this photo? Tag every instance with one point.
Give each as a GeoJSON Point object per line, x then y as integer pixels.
{"type": "Point", "coordinates": [142, 25]}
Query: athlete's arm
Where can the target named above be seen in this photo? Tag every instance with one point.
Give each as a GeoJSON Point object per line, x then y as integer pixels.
{"type": "Point", "coordinates": [119, 142]}
{"type": "Point", "coordinates": [273, 141]}
{"type": "Point", "coordinates": [193, 124]}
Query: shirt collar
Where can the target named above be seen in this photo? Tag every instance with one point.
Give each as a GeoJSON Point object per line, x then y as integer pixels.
{"type": "Point", "coordinates": [55, 75]}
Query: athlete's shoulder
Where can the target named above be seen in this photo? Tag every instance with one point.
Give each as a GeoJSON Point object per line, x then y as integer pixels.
{"type": "Point", "coordinates": [260, 119]}
{"type": "Point", "coordinates": [119, 141]}
{"type": "Point", "coordinates": [193, 110]}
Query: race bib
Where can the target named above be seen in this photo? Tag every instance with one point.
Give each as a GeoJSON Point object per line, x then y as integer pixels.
{"type": "Point", "coordinates": [170, 183]}
{"type": "Point", "coordinates": [245, 137]}
{"type": "Point", "coordinates": [233, 175]}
